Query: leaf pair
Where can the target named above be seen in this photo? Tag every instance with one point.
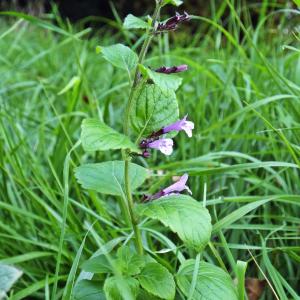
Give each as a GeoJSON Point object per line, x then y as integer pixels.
{"type": "Point", "coordinates": [208, 283]}
{"type": "Point", "coordinates": [154, 279]}
{"type": "Point", "coordinates": [135, 271]}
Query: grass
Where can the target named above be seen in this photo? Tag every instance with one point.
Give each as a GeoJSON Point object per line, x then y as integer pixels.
{"type": "Point", "coordinates": [242, 91]}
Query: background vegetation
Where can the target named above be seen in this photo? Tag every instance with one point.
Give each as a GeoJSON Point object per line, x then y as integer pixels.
{"type": "Point", "coordinates": [242, 92]}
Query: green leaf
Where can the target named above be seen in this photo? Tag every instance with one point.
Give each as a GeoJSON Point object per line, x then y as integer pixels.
{"type": "Point", "coordinates": [212, 282]}
{"type": "Point", "coordinates": [73, 82]}
{"type": "Point", "coordinates": [8, 276]}
{"type": "Point", "coordinates": [164, 81]}
{"type": "Point", "coordinates": [144, 295]}
{"type": "Point", "coordinates": [95, 135]}
{"type": "Point", "coordinates": [108, 177]}
{"type": "Point", "coordinates": [184, 215]}
{"type": "Point", "coordinates": [152, 109]}
{"type": "Point", "coordinates": [157, 280]}
{"type": "Point", "coordinates": [241, 271]}
{"type": "Point", "coordinates": [88, 290]}
{"type": "Point", "coordinates": [120, 56]}
{"type": "Point", "coordinates": [173, 2]}
{"type": "Point", "coordinates": [120, 288]}
{"type": "Point", "coordinates": [297, 2]}
{"type": "Point", "coordinates": [133, 22]}
{"type": "Point", "coordinates": [98, 264]}
{"type": "Point", "coordinates": [130, 262]}
{"type": "Point", "coordinates": [237, 215]}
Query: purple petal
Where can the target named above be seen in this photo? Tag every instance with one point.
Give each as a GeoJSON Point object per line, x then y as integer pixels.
{"type": "Point", "coordinates": [163, 145]}
{"type": "Point", "coordinates": [181, 68]}
{"type": "Point", "coordinates": [178, 186]}
{"type": "Point", "coordinates": [176, 126]}
{"type": "Point", "coordinates": [182, 124]}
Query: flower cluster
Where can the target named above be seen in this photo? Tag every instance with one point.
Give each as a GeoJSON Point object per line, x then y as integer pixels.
{"type": "Point", "coordinates": [165, 145]}
{"type": "Point", "coordinates": [172, 23]}
{"type": "Point", "coordinates": [154, 140]}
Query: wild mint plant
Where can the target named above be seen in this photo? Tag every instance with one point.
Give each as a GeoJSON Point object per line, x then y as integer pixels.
{"type": "Point", "coordinates": [151, 115]}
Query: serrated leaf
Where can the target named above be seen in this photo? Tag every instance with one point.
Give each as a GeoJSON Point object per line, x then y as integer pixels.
{"type": "Point", "coordinates": [164, 81]}
{"type": "Point", "coordinates": [8, 276]}
{"type": "Point", "coordinates": [130, 262]}
{"type": "Point", "coordinates": [184, 215]}
{"type": "Point", "coordinates": [152, 109]}
{"type": "Point", "coordinates": [98, 264]}
{"type": "Point", "coordinates": [97, 136]}
{"type": "Point", "coordinates": [108, 177]}
{"type": "Point", "coordinates": [173, 2]}
{"type": "Point", "coordinates": [88, 290]}
{"type": "Point", "coordinates": [157, 280]}
{"type": "Point", "coordinates": [120, 288]}
{"type": "Point", "coordinates": [120, 56]}
{"type": "Point", "coordinates": [212, 282]}
{"type": "Point", "coordinates": [133, 22]}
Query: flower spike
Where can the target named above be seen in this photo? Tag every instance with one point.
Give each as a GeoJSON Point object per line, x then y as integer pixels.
{"type": "Point", "coordinates": [172, 23]}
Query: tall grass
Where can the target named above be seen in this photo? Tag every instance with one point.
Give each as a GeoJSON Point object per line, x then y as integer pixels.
{"type": "Point", "coordinates": [242, 92]}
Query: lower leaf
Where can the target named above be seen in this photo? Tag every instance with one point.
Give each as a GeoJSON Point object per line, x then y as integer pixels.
{"type": "Point", "coordinates": [212, 282]}
{"type": "Point", "coordinates": [157, 280]}
{"type": "Point", "coordinates": [88, 290]}
{"type": "Point", "coordinates": [184, 215]}
{"type": "Point", "coordinates": [120, 288]}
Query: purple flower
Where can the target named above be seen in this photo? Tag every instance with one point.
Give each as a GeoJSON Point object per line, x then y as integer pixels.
{"type": "Point", "coordinates": [178, 186]}
{"type": "Point", "coordinates": [183, 124]}
{"type": "Point", "coordinates": [169, 70]}
{"type": "Point", "coordinates": [173, 189]}
{"type": "Point", "coordinates": [172, 23]}
{"type": "Point", "coordinates": [163, 145]}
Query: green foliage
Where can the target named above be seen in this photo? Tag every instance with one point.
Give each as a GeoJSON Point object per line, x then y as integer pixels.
{"type": "Point", "coordinates": [184, 215]}
{"type": "Point", "coordinates": [96, 136]}
{"type": "Point", "coordinates": [157, 280]}
{"type": "Point", "coordinates": [152, 109]}
{"type": "Point", "coordinates": [121, 288]}
{"type": "Point", "coordinates": [212, 282]}
{"type": "Point", "coordinates": [129, 262]}
{"type": "Point", "coordinates": [236, 158]}
{"type": "Point", "coordinates": [108, 177]}
{"type": "Point", "coordinates": [132, 22]}
{"type": "Point", "coordinates": [120, 56]}
{"type": "Point", "coordinates": [165, 82]}
{"type": "Point", "coordinates": [88, 290]}
{"type": "Point", "coordinates": [98, 264]}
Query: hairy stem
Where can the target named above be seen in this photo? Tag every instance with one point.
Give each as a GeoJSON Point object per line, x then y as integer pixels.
{"type": "Point", "coordinates": [126, 157]}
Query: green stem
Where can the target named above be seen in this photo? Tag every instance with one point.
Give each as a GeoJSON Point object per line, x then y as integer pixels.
{"type": "Point", "coordinates": [126, 156]}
